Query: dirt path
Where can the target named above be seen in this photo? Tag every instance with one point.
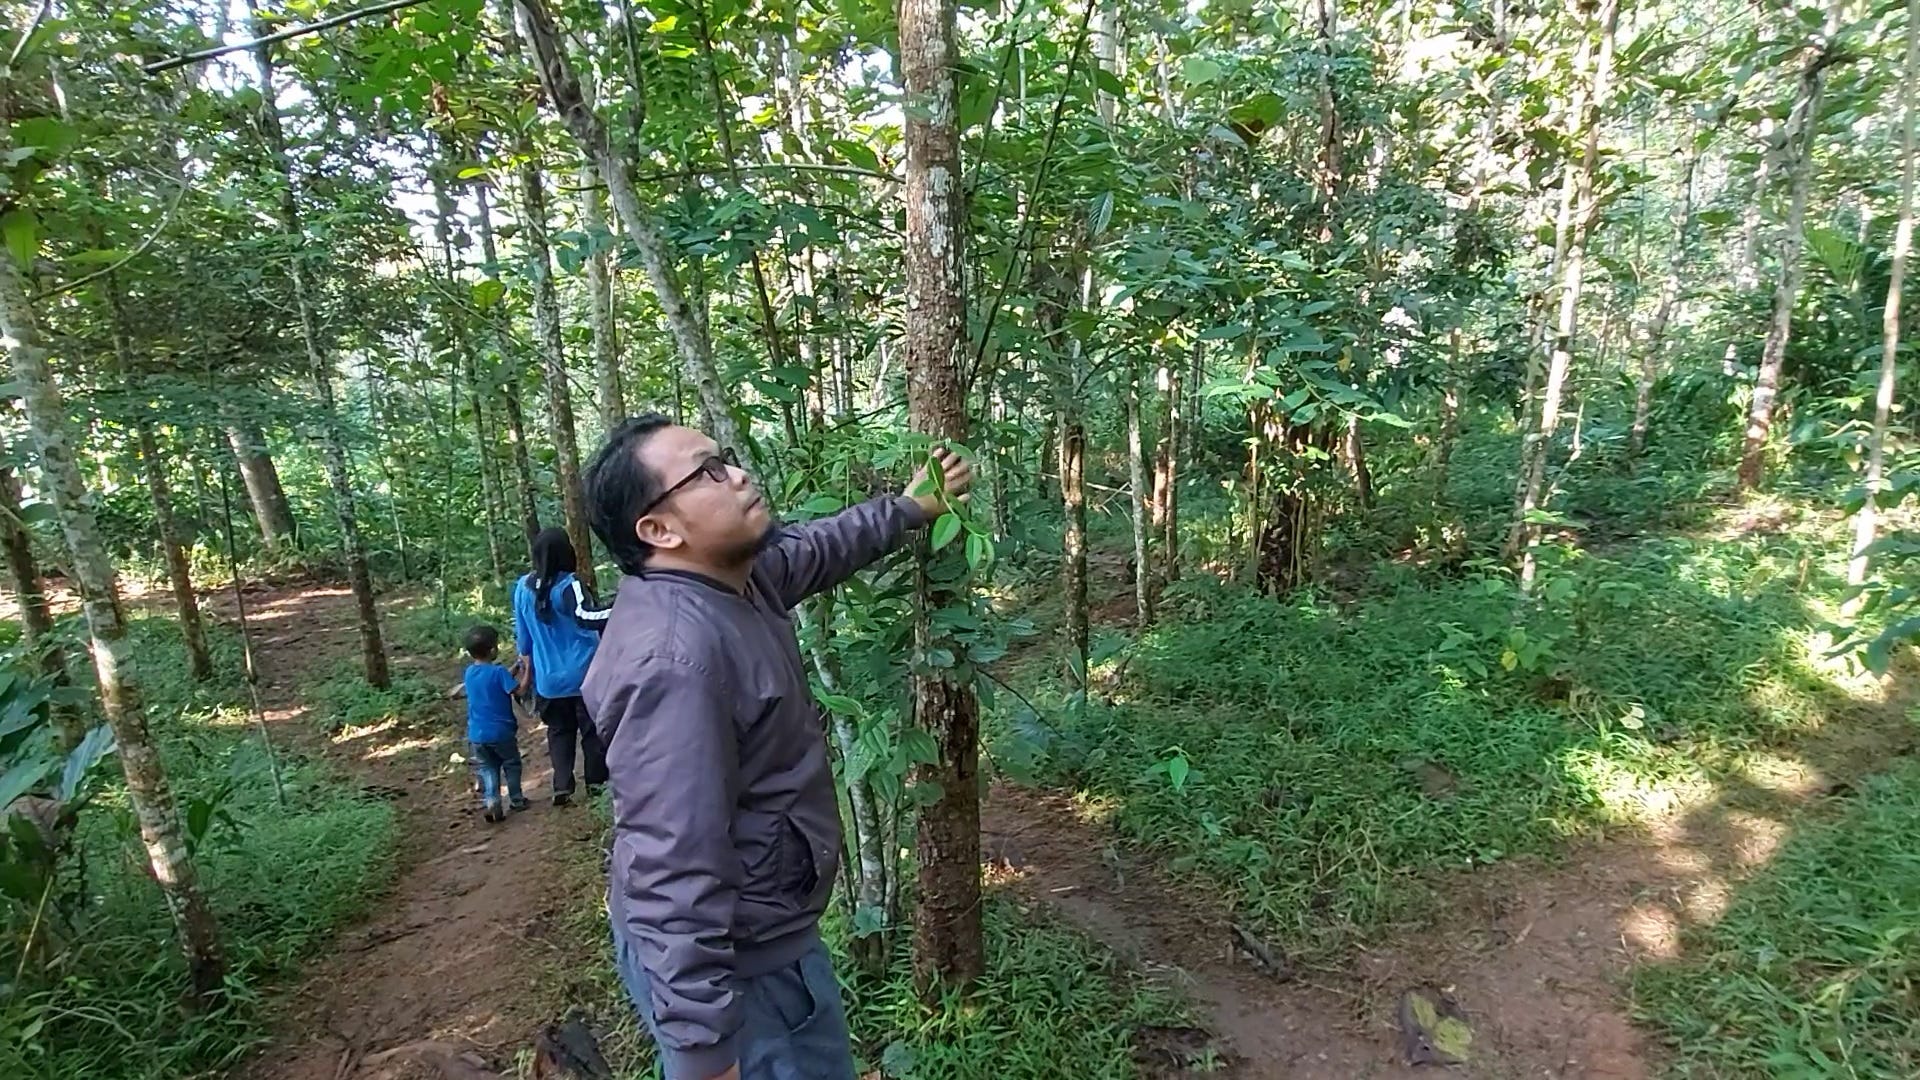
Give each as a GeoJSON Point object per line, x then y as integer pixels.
{"type": "Point", "coordinates": [1534, 955]}
{"type": "Point", "coordinates": [439, 981]}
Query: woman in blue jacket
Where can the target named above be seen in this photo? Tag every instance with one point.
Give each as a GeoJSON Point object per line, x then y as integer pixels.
{"type": "Point", "coordinates": [556, 625]}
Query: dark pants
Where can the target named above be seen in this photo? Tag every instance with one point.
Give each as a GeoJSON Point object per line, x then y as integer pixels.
{"type": "Point", "coordinates": [792, 1024]}
{"type": "Point", "coordinates": [566, 720]}
{"type": "Point", "coordinates": [497, 764]}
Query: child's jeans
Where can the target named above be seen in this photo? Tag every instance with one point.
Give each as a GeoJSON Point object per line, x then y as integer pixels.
{"type": "Point", "coordinates": [496, 763]}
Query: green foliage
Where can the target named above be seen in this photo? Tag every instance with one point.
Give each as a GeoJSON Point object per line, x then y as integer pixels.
{"type": "Point", "coordinates": [343, 699]}
{"type": "Point", "coordinates": [101, 989]}
{"type": "Point", "coordinates": [1811, 972]}
{"type": "Point", "coordinates": [1327, 761]}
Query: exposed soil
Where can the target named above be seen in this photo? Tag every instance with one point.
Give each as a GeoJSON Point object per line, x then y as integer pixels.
{"type": "Point", "coordinates": [439, 982]}
{"type": "Point", "coordinates": [1533, 955]}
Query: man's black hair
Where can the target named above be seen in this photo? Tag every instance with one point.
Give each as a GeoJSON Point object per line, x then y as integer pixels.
{"type": "Point", "coordinates": [483, 642]}
{"type": "Point", "coordinates": [552, 556]}
{"type": "Point", "coordinates": [618, 486]}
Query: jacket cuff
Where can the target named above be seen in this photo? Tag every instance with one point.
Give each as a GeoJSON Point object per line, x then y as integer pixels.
{"type": "Point", "coordinates": [700, 1062]}
{"type": "Point", "coordinates": [916, 517]}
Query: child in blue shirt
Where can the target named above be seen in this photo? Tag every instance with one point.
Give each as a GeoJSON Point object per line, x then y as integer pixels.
{"type": "Point", "coordinates": [492, 728]}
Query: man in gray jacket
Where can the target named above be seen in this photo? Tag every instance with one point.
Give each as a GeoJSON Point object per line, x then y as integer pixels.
{"type": "Point", "coordinates": [726, 825]}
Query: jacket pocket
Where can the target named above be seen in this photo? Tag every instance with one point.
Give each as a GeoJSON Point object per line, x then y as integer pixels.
{"type": "Point", "coordinates": [798, 875]}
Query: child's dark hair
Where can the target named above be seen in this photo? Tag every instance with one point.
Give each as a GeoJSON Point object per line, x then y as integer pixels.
{"type": "Point", "coordinates": [483, 642]}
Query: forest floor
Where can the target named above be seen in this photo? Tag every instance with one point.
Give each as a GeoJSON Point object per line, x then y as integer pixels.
{"type": "Point", "coordinates": [443, 980]}
{"type": "Point", "coordinates": [451, 976]}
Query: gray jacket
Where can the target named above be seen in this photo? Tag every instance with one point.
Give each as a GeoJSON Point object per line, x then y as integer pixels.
{"type": "Point", "coordinates": [726, 825]}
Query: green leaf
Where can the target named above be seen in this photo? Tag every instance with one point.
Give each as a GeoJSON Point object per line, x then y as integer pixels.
{"type": "Point", "coordinates": [98, 744]}
{"type": "Point", "coordinates": [1198, 71]}
{"type": "Point", "coordinates": [859, 155]}
{"type": "Point", "coordinates": [664, 24]}
{"type": "Point", "coordinates": [1178, 768]}
{"type": "Point", "coordinates": [918, 747]}
{"type": "Point", "coordinates": [1101, 214]}
{"type": "Point", "coordinates": [21, 230]}
{"type": "Point", "coordinates": [979, 551]}
{"type": "Point", "coordinates": [488, 293]}
{"type": "Point", "coordinates": [821, 505]}
{"type": "Point", "coordinates": [944, 530]}
{"type": "Point", "coordinates": [51, 135]}
{"type": "Point", "coordinates": [20, 779]}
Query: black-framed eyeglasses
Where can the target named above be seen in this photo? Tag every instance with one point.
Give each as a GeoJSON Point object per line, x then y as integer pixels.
{"type": "Point", "coordinates": [713, 468]}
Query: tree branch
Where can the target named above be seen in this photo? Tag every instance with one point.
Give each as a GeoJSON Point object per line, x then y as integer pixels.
{"type": "Point", "coordinates": [76, 283]}
{"type": "Point", "coordinates": [184, 59]}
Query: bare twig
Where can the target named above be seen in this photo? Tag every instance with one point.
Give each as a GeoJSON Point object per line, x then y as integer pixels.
{"type": "Point", "coordinates": [165, 218]}
{"type": "Point", "coordinates": [184, 59]}
{"type": "Point", "coordinates": [20, 47]}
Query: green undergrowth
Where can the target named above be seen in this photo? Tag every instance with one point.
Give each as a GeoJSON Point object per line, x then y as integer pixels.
{"type": "Point", "coordinates": [1814, 970]}
{"type": "Point", "coordinates": [281, 879]}
{"type": "Point", "coordinates": [1319, 762]}
{"type": "Point", "coordinates": [342, 700]}
{"type": "Point", "coordinates": [1052, 1003]}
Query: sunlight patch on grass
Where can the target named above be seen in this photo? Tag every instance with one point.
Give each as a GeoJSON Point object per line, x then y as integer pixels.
{"type": "Point", "coordinates": [1627, 795]}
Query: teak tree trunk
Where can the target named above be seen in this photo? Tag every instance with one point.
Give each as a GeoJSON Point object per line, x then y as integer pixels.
{"type": "Point", "coordinates": [1865, 522]}
{"type": "Point", "coordinates": [264, 493]}
{"type": "Point", "coordinates": [1802, 127]}
{"type": "Point", "coordinates": [510, 390]}
{"type": "Point", "coordinates": [948, 949]}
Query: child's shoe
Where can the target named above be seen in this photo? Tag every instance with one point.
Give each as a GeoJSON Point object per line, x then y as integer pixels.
{"type": "Point", "coordinates": [520, 804]}
{"type": "Point", "coordinates": [495, 813]}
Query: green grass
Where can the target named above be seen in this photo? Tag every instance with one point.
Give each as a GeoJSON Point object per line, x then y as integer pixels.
{"type": "Point", "coordinates": [1051, 1003]}
{"type": "Point", "coordinates": [1814, 971]}
{"type": "Point", "coordinates": [1331, 759]}
{"type": "Point", "coordinates": [342, 699]}
{"type": "Point", "coordinates": [280, 879]}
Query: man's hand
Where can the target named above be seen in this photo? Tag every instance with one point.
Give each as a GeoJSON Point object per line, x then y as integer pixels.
{"type": "Point", "coordinates": [957, 478]}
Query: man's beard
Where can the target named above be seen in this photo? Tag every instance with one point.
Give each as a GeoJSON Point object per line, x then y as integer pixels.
{"type": "Point", "coordinates": [751, 549]}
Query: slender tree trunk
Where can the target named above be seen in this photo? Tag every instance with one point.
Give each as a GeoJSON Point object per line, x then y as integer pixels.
{"type": "Point", "coordinates": [1449, 415]}
{"type": "Point", "coordinates": [690, 337]}
{"type": "Point", "coordinates": [147, 789]}
{"type": "Point", "coordinates": [36, 615]}
{"type": "Point", "coordinates": [320, 368]}
{"type": "Point", "coordinates": [1864, 522]}
{"type": "Point", "coordinates": [948, 948]}
{"type": "Point", "coordinates": [1073, 562]}
{"type": "Point", "coordinates": [1138, 496]}
{"type": "Point", "coordinates": [553, 355]}
{"type": "Point", "coordinates": [1802, 129]}
{"type": "Point", "coordinates": [1354, 449]}
{"type": "Point", "coordinates": [468, 370]}
{"type": "Point", "coordinates": [1166, 463]}
{"type": "Point", "coordinates": [1663, 310]}
{"type": "Point", "coordinates": [154, 468]}
{"type": "Point", "coordinates": [600, 302]}
{"type": "Point", "coordinates": [264, 493]}
{"type": "Point", "coordinates": [1573, 270]}
{"type": "Point", "coordinates": [510, 391]}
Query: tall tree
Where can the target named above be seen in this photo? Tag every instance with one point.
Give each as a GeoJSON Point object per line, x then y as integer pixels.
{"type": "Point", "coordinates": [1865, 521]}
{"type": "Point", "coordinates": [1597, 68]}
{"type": "Point", "coordinates": [600, 302]}
{"type": "Point", "coordinates": [948, 948]}
{"type": "Point", "coordinates": [689, 331]}
{"type": "Point", "coordinates": [1652, 348]}
{"type": "Point", "coordinates": [510, 388]}
{"type": "Point", "coordinates": [320, 366]}
{"type": "Point", "coordinates": [1803, 129]}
